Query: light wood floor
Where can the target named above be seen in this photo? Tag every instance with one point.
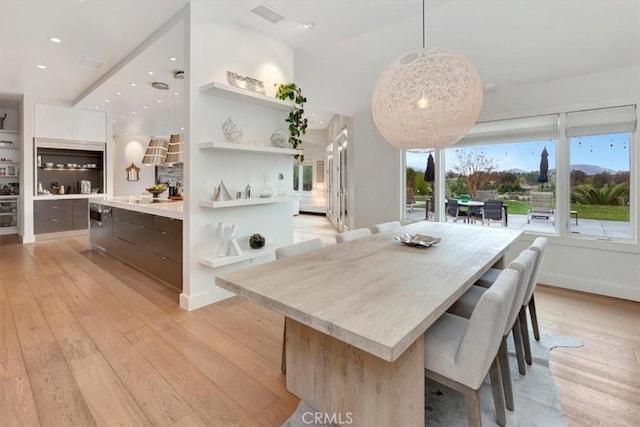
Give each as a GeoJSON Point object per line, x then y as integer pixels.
{"type": "Point", "coordinates": [85, 340]}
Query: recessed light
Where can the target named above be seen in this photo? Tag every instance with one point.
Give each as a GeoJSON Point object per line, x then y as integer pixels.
{"type": "Point", "coordinates": [113, 121]}
{"type": "Point", "coordinates": [145, 107]}
{"type": "Point", "coordinates": [321, 122]}
{"type": "Point", "coordinates": [106, 100]}
{"type": "Point", "coordinates": [122, 117]}
{"type": "Point", "coordinates": [181, 128]}
{"type": "Point", "coordinates": [176, 93]}
{"type": "Point", "coordinates": [159, 100]}
{"type": "Point", "coordinates": [151, 73]}
{"type": "Point", "coordinates": [133, 84]}
{"type": "Point", "coordinates": [42, 67]}
{"type": "Point", "coordinates": [173, 59]}
{"type": "Point", "coordinates": [96, 107]}
{"type": "Point", "coordinates": [133, 112]}
{"type": "Point", "coordinates": [308, 25]}
{"type": "Point", "coordinates": [55, 40]}
{"type": "Point", "coordinates": [118, 93]}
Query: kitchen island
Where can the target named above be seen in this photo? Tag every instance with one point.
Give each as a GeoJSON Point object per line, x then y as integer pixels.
{"type": "Point", "coordinates": [142, 233]}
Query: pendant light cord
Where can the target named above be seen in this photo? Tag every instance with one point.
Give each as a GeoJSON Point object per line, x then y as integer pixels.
{"type": "Point", "coordinates": [424, 38]}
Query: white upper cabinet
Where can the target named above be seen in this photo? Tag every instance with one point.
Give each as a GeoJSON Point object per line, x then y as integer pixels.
{"type": "Point", "coordinates": [53, 121]}
{"type": "Point", "coordinates": [89, 126]}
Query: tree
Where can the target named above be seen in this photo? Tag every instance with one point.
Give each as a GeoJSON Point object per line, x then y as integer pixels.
{"type": "Point", "coordinates": [601, 179]}
{"type": "Point", "coordinates": [578, 177]}
{"type": "Point", "coordinates": [474, 166]}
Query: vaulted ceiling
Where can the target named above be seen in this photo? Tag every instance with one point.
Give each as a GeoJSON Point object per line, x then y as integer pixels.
{"type": "Point", "coordinates": [337, 62]}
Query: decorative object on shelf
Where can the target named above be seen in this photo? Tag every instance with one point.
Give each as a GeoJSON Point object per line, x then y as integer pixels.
{"type": "Point", "coordinates": [320, 171]}
{"type": "Point", "coordinates": [174, 152]}
{"type": "Point", "coordinates": [266, 190]}
{"type": "Point", "coordinates": [244, 82]}
{"type": "Point", "coordinates": [427, 98]}
{"type": "Point", "coordinates": [157, 189]}
{"type": "Point", "coordinates": [280, 188]}
{"type": "Point", "coordinates": [156, 153]}
{"type": "Point", "coordinates": [220, 193]}
{"type": "Point", "coordinates": [247, 192]}
{"type": "Point", "coordinates": [2, 120]}
{"type": "Point", "coordinates": [256, 241]}
{"type": "Point", "coordinates": [296, 120]}
{"type": "Point", "coordinates": [4, 143]}
{"type": "Point", "coordinates": [231, 131]}
{"type": "Point", "coordinates": [133, 172]}
{"type": "Point", "coordinates": [227, 243]}
{"type": "Point", "coordinates": [279, 138]}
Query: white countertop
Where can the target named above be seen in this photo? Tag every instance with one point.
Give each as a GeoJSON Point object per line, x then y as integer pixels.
{"type": "Point", "coordinates": [167, 209]}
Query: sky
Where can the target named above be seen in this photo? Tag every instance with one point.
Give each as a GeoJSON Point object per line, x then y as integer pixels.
{"type": "Point", "coordinates": [607, 151]}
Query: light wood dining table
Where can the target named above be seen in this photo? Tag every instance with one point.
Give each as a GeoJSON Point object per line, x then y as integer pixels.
{"type": "Point", "coordinates": [357, 312]}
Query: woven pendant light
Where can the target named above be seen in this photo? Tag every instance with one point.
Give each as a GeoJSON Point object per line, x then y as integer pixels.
{"type": "Point", "coordinates": [427, 98]}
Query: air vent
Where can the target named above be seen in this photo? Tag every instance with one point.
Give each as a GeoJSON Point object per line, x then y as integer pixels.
{"type": "Point", "coordinates": [91, 62]}
{"type": "Point", "coordinates": [267, 13]}
{"type": "Point", "coordinates": [160, 85]}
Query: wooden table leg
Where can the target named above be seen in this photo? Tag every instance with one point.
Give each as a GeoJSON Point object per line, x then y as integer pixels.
{"type": "Point", "coordinates": [351, 386]}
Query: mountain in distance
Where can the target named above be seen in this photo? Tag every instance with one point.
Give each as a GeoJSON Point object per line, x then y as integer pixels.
{"type": "Point", "coordinates": [516, 170]}
{"type": "Point", "coordinates": [591, 169]}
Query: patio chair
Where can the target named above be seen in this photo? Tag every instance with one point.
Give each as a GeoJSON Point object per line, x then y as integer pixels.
{"type": "Point", "coordinates": [411, 199]}
{"type": "Point", "coordinates": [453, 210]}
{"type": "Point", "coordinates": [493, 210]}
{"type": "Point", "coordinates": [542, 206]}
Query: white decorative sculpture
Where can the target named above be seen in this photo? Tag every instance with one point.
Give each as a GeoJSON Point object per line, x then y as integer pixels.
{"type": "Point", "coordinates": [227, 243]}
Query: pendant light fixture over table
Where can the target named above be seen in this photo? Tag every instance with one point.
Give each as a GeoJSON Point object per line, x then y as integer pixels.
{"type": "Point", "coordinates": [427, 98]}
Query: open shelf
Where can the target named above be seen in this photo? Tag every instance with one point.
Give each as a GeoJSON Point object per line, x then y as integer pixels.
{"type": "Point", "coordinates": [243, 95]}
{"type": "Point", "coordinates": [242, 147]}
{"type": "Point", "coordinates": [13, 132]}
{"type": "Point", "coordinates": [247, 255]}
{"type": "Point", "coordinates": [8, 230]}
{"type": "Point", "coordinates": [246, 202]}
{"type": "Point", "coordinates": [9, 148]}
{"type": "Point", "coordinates": [9, 176]}
{"type": "Point", "coordinates": [44, 168]}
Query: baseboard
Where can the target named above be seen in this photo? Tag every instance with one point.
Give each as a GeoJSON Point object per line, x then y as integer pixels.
{"type": "Point", "coordinates": [192, 302]}
{"type": "Point", "coordinates": [599, 288]}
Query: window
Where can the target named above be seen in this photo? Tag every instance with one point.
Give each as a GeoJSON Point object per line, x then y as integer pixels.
{"type": "Point", "coordinates": [419, 192]}
{"type": "Point", "coordinates": [600, 172]}
{"type": "Point", "coordinates": [303, 177]}
{"type": "Point", "coordinates": [513, 161]}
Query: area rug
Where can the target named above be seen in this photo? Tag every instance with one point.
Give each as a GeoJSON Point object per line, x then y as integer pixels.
{"type": "Point", "coordinates": [537, 402]}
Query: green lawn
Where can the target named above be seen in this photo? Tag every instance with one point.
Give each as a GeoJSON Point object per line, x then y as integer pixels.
{"type": "Point", "coordinates": [604, 212]}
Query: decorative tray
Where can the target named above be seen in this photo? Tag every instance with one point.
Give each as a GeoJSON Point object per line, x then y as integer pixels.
{"type": "Point", "coordinates": [418, 240]}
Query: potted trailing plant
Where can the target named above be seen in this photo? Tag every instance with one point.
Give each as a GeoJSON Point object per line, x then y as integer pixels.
{"type": "Point", "coordinates": [296, 120]}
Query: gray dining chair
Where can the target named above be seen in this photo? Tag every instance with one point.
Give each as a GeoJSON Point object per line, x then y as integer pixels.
{"type": "Point", "coordinates": [465, 305]}
{"type": "Point", "coordinates": [459, 352]}
{"type": "Point", "coordinates": [386, 227]}
{"type": "Point", "coordinates": [347, 236]}
{"type": "Point", "coordinates": [285, 252]}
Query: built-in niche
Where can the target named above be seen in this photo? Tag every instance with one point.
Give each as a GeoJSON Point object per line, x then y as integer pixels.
{"type": "Point", "coordinates": [68, 168]}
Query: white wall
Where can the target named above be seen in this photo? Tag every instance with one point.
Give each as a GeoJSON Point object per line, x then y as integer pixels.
{"type": "Point", "coordinates": [374, 175]}
{"type": "Point", "coordinates": [129, 149]}
{"type": "Point", "coordinates": [213, 47]}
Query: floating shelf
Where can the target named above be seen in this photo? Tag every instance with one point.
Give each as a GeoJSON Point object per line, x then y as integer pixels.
{"type": "Point", "coordinates": [8, 197]}
{"type": "Point", "coordinates": [242, 147]}
{"type": "Point", "coordinates": [247, 255]}
{"type": "Point", "coordinates": [9, 148]}
{"type": "Point", "coordinates": [44, 168]}
{"type": "Point", "coordinates": [13, 132]}
{"type": "Point", "coordinates": [8, 213]}
{"type": "Point", "coordinates": [246, 202]}
{"type": "Point", "coordinates": [243, 95]}
{"type": "Point", "coordinates": [9, 176]}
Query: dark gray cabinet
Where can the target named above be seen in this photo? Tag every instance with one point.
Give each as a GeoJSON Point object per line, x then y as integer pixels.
{"type": "Point", "coordinates": [53, 216]}
{"type": "Point", "coordinates": [150, 243]}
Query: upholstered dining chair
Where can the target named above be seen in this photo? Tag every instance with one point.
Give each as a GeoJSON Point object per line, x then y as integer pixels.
{"type": "Point", "coordinates": [386, 227]}
{"type": "Point", "coordinates": [539, 245]}
{"type": "Point", "coordinates": [347, 236]}
{"type": "Point", "coordinates": [459, 352]}
{"type": "Point", "coordinates": [284, 252]}
{"type": "Point", "coordinates": [465, 305]}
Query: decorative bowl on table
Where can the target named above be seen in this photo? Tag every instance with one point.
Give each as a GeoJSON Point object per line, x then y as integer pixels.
{"type": "Point", "coordinates": [156, 190]}
{"type": "Point", "coordinates": [418, 240]}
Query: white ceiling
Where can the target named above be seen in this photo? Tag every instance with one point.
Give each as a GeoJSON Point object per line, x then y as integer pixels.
{"type": "Point", "coordinates": [336, 63]}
